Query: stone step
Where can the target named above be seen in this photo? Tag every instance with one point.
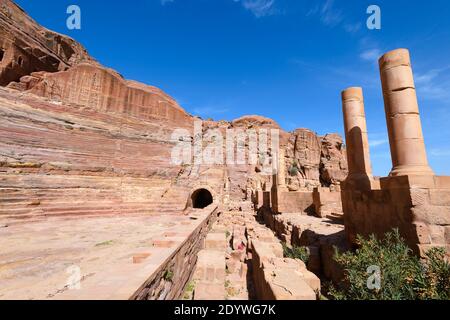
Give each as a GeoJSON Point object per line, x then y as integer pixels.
{"type": "Point", "coordinates": [216, 241]}
{"type": "Point", "coordinates": [209, 291]}
{"type": "Point", "coordinates": [210, 267]}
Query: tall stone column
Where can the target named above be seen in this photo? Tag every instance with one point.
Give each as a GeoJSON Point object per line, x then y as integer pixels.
{"type": "Point", "coordinates": [281, 174]}
{"type": "Point", "coordinates": [402, 115]}
{"type": "Point", "coordinates": [358, 156]}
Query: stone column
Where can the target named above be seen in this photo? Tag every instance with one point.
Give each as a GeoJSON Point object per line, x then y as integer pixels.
{"type": "Point", "coordinates": [281, 174]}
{"type": "Point", "coordinates": [402, 115]}
{"type": "Point", "coordinates": [358, 156]}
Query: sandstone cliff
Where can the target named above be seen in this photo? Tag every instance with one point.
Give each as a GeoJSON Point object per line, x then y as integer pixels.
{"type": "Point", "coordinates": [25, 46]}
{"type": "Point", "coordinates": [77, 138]}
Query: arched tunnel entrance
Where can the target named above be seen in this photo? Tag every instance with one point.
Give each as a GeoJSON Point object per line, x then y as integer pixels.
{"type": "Point", "coordinates": [201, 198]}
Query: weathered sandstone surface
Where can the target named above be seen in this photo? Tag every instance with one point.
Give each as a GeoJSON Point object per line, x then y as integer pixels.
{"type": "Point", "coordinates": [78, 141]}
{"type": "Point", "coordinates": [26, 47]}
{"type": "Point", "coordinates": [242, 260]}
{"type": "Point", "coordinates": [314, 161]}
{"type": "Point", "coordinates": [116, 257]}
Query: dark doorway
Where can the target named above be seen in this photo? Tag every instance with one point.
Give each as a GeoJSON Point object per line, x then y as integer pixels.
{"type": "Point", "coordinates": [201, 198]}
{"type": "Point", "coordinates": [2, 53]}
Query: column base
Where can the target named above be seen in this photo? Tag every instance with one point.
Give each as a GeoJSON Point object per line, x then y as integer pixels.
{"type": "Point", "coordinates": [411, 170]}
{"type": "Point", "coordinates": [360, 181]}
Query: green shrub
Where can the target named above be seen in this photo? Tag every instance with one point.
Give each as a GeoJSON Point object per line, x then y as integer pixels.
{"type": "Point", "coordinates": [436, 284]}
{"type": "Point", "coordinates": [188, 290]}
{"type": "Point", "coordinates": [300, 253]}
{"type": "Point", "coordinates": [293, 169]}
{"type": "Point", "coordinates": [403, 276]}
{"type": "Point", "coordinates": [168, 275]}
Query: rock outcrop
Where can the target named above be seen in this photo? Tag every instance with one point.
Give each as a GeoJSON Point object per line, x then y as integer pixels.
{"type": "Point", "coordinates": [313, 161]}
{"type": "Point", "coordinates": [90, 85]}
{"type": "Point", "coordinates": [27, 47]}
{"type": "Point", "coordinates": [78, 138]}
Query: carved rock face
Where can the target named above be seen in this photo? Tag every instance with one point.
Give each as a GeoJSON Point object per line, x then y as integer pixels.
{"type": "Point", "coordinates": [334, 167]}
{"type": "Point", "coordinates": [27, 47]}
{"type": "Point", "coordinates": [313, 161]}
{"type": "Point", "coordinates": [78, 126]}
{"type": "Point", "coordinates": [93, 86]}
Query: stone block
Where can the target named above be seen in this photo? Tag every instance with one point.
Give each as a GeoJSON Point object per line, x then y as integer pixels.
{"type": "Point", "coordinates": [398, 78]}
{"type": "Point", "coordinates": [447, 234]}
{"type": "Point", "coordinates": [434, 215]}
{"type": "Point", "coordinates": [140, 257]}
{"type": "Point", "coordinates": [216, 241]}
{"type": "Point", "coordinates": [286, 285]}
{"type": "Point", "coordinates": [400, 102]}
{"type": "Point", "coordinates": [314, 261]}
{"type": "Point", "coordinates": [210, 266]}
{"type": "Point", "coordinates": [439, 197]}
{"type": "Point", "coordinates": [209, 291]}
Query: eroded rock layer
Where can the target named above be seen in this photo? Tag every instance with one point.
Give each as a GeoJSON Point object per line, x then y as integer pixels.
{"type": "Point", "coordinates": [78, 138]}
{"type": "Point", "coordinates": [26, 47]}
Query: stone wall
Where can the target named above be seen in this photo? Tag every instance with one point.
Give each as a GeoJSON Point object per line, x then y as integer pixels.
{"type": "Point", "coordinates": [327, 203]}
{"type": "Point", "coordinates": [278, 278]}
{"type": "Point", "coordinates": [294, 201]}
{"type": "Point", "coordinates": [319, 236]}
{"type": "Point", "coordinates": [169, 281]}
{"type": "Point", "coordinates": [419, 206]}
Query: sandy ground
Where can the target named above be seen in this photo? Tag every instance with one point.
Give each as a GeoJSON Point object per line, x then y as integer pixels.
{"type": "Point", "coordinates": [112, 254]}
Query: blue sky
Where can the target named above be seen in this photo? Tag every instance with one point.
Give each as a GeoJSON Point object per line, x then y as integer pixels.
{"type": "Point", "coordinates": [284, 59]}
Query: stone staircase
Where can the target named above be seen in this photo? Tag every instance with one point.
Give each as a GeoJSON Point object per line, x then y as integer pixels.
{"type": "Point", "coordinates": [243, 260]}
{"type": "Point", "coordinates": [209, 275]}
{"type": "Point", "coordinates": [22, 203]}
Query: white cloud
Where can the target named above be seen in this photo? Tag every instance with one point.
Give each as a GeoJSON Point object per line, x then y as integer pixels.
{"type": "Point", "coordinates": [440, 152]}
{"type": "Point", "coordinates": [426, 78]}
{"type": "Point", "coordinates": [352, 28]}
{"type": "Point", "coordinates": [433, 84]}
{"type": "Point", "coordinates": [260, 8]}
{"type": "Point", "coordinates": [209, 111]}
{"type": "Point", "coordinates": [378, 139]}
{"type": "Point", "coordinates": [378, 142]}
{"type": "Point", "coordinates": [371, 55]}
{"type": "Point", "coordinates": [329, 15]}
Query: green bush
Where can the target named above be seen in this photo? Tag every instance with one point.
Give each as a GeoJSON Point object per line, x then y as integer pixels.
{"type": "Point", "coordinates": [300, 253]}
{"type": "Point", "coordinates": [168, 275]}
{"type": "Point", "coordinates": [293, 169]}
{"type": "Point", "coordinates": [403, 276]}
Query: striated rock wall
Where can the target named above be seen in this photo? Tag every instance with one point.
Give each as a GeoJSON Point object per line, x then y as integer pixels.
{"type": "Point", "coordinates": [59, 159]}
{"type": "Point", "coordinates": [77, 138]}
{"type": "Point", "coordinates": [313, 161]}
{"type": "Point", "coordinates": [104, 90]}
{"type": "Point", "coordinates": [26, 47]}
